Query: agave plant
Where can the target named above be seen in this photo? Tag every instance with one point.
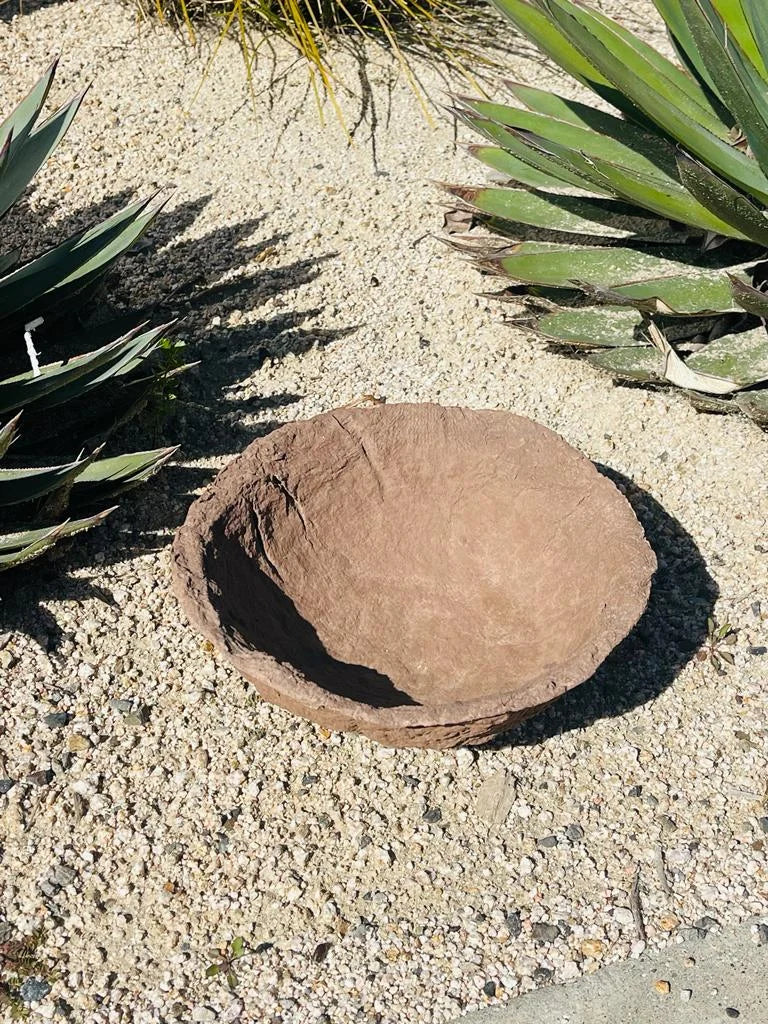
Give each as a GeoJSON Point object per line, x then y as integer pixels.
{"type": "Point", "coordinates": [638, 235]}
{"type": "Point", "coordinates": [69, 405]}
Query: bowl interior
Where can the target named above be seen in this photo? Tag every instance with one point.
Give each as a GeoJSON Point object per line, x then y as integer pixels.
{"type": "Point", "coordinates": [398, 557]}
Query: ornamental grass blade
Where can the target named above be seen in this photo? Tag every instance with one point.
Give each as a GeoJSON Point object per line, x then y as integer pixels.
{"type": "Point", "coordinates": [736, 80]}
{"type": "Point", "coordinates": [28, 154]}
{"type": "Point", "coordinates": [655, 95]}
{"type": "Point", "coordinates": [594, 327]}
{"type": "Point", "coordinates": [756, 14]}
{"type": "Point", "coordinates": [726, 202]}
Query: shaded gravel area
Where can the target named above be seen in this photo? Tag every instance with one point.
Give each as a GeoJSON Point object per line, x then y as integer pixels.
{"type": "Point", "coordinates": [152, 807]}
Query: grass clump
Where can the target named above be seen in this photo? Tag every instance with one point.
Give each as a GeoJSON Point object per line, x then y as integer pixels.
{"type": "Point", "coordinates": [447, 30]}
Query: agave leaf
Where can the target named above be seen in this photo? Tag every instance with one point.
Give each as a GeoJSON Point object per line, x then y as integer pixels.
{"type": "Point", "coordinates": [21, 120]}
{"type": "Point", "coordinates": [29, 543]}
{"type": "Point", "coordinates": [516, 144]}
{"type": "Point", "coordinates": [735, 78]}
{"type": "Point", "coordinates": [47, 279]}
{"type": "Point", "coordinates": [749, 298]}
{"type": "Point", "coordinates": [58, 382]}
{"type": "Point", "coordinates": [515, 169]}
{"type": "Point", "coordinates": [594, 327]}
{"type": "Point", "coordinates": [571, 214]}
{"type": "Point", "coordinates": [657, 97]}
{"type": "Point", "coordinates": [8, 433]}
{"type": "Point", "coordinates": [723, 199]}
{"type": "Point", "coordinates": [26, 484]}
{"type": "Point", "coordinates": [27, 157]}
{"type": "Point", "coordinates": [533, 22]}
{"type": "Point", "coordinates": [756, 15]}
{"type": "Point", "coordinates": [683, 374]}
{"type": "Point", "coordinates": [741, 358]}
{"type": "Point", "coordinates": [754, 404]}
{"type": "Point", "coordinates": [644, 365]}
{"type": "Point", "coordinates": [113, 475]}
{"type": "Point", "coordinates": [668, 199]}
{"type": "Point", "coordinates": [659, 163]}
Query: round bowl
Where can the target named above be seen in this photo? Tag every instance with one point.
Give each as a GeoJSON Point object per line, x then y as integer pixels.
{"type": "Point", "coordinates": [427, 576]}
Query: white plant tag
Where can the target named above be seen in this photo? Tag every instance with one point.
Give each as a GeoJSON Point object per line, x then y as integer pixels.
{"type": "Point", "coordinates": [31, 351]}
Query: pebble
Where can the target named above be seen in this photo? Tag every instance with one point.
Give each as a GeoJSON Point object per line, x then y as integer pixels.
{"type": "Point", "coordinates": [685, 994]}
{"type": "Point", "coordinates": [545, 932]}
{"type": "Point", "coordinates": [731, 1011]}
{"type": "Point", "coordinates": [662, 987]}
{"type": "Point", "coordinates": [56, 720]}
{"type": "Point", "coordinates": [592, 947]}
{"type": "Point", "coordinates": [32, 990]}
{"type": "Point", "coordinates": [6, 785]}
{"type": "Point", "coordinates": [41, 778]}
{"type": "Point", "coordinates": [514, 923]}
{"type": "Point", "coordinates": [77, 743]}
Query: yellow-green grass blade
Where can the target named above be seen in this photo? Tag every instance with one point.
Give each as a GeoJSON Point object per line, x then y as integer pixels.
{"type": "Point", "coordinates": [570, 214]}
{"type": "Point", "coordinates": [594, 327]}
{"type": "Point", "coordinates": [27, 155]}
{"type": "Point", "coordinates": [23, 546]}
{"type": "Point", "coordinates": [736, 79]}
{"type": "Point", "coordinates": [656, 97]}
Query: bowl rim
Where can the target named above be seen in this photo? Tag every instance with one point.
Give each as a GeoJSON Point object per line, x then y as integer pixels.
{"type": "Point", "coordinates": [286, 682]}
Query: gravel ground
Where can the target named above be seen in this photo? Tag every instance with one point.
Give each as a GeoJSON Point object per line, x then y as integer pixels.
{"type": "Point", "coordinates": [153, 806]}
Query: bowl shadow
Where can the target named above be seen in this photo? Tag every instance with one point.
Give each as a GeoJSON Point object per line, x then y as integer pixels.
{"type": "Point", "coordinates": [649, 659]}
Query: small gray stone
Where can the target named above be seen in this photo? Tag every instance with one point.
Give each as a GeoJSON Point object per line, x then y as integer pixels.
{"type": "Point", "coordinates": [542, 975]}
{"type": "Point", "coordinates": [56, 720]}
{"type": "Point", "coordinates": [514, 923]}
{"type": "Point", "coordinates": [546, 843]}
{"type": "Point", "coordinates": [41, 778]}
{"type": "Point", "coordinates": [762, 934]}
{"type": "Point", "coordinates": [121, 704]}
{"type": "Point", "coordinates": [32, 990]}
{"type": "Point", "coordinates": [431, 815]}
{"type": "Point", "coordinates": [763, 824]}
{"type": "Point", "coordinates": [63, 875]}
{"type": "Point", "coordinates": [575, 833]}
{"type": "Point", "coordinates": [545, 932]}
{"type": "Point", "coordinates": [6, 785]}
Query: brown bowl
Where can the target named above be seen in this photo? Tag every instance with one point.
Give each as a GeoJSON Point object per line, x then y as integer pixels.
{"type": "Point", "coordinates": [427, 576]}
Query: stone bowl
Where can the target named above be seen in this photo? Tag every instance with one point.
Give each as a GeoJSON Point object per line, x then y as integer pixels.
{"type": "Point", "coordinates": [427, 576]}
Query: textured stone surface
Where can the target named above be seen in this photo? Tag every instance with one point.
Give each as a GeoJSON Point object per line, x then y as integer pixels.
{"type": "Point", "coordinates": [426, 575]}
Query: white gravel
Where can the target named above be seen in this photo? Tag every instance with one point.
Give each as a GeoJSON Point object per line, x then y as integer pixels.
{"type": "Point", "coordinates": [175, 810]}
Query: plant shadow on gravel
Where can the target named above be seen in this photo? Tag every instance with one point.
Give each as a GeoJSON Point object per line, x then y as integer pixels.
{"type": "Point", "coordinates": [671, 630]}
{"type": "Point", "coordinates": [220, 274]}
